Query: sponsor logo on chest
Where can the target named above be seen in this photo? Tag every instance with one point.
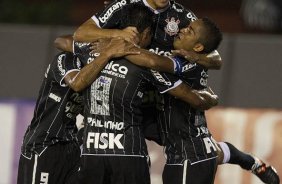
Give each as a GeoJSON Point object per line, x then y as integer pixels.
{"type": "Point", "coordinates": [115, 69]}
{"type": "Point", "coordinates": [104, 140]}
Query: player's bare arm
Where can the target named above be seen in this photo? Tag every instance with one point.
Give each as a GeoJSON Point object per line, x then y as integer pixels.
{"type": "Point", "coordinates": [164, 64]}
{"type": "Point", "coordinates": [64, 43]}
{"type": "Point", "coordinates": [209, 61]}
{"type": "Point", "coordinates": [145, 59]}
{"type": "Point", "coordinates": [89, 32]}
{"type": "Point", "coordinates": [202, 99]}
{"type": "Point", "coordinates": [79, 80]}
{"type": "Point", "coordinates": [153, 61]}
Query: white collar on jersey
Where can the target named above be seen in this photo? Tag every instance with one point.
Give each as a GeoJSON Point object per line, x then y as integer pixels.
{"type": "Point", "coordinates": [154, 10]}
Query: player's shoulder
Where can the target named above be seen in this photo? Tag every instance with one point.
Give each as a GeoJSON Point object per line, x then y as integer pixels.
{"type": "Point", "coordinates": [179, 8]}
{"type": "Point", "coordinates": [63, 57]}
{"type": "Point", "coordinates": [64, 61]}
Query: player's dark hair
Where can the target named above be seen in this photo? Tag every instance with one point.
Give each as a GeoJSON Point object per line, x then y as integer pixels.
{"type": "Point", "coordinates": [212, 37]}
{"type": "Point", "coordinates": [138, 16]}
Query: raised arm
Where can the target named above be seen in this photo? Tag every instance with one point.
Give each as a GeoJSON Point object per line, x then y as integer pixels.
{"type": "Point", "coordinates": [145, 59]}
{"type": "Point", "coordinates": [64, 43]}
{"type": "Point", "coordinates": [79, 80]}
{"type": "Point", "coordinates": [89, 32]}
{"type": "Point", "coordinates": [153, 61]}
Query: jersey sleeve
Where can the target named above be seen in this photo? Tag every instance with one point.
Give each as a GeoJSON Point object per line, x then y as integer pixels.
{"type": "Point", "coordinates": [110, 17]}
{"type": "Point", "coordinates": [192, 74]}
{"type": "Point", "coordinates": [82, 51]}
{"type": "Point", "coordinates": [162, 81]}
{"type": "Point", "coordinates": [63, 64]}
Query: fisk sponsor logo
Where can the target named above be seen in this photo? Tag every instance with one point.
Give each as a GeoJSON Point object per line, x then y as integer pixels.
{"type": "Point", "coordinates": [104, 140]}
{"type": "Point", "coordinates": [111, 10]}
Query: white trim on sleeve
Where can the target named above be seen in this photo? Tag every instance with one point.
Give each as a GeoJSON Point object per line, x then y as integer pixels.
{"type": "Point", "coordinates": [177, 83]}
{"type": "Point", "coordinates": [95, 19]}
{"type": "Point", "coordinates": [62, 83]}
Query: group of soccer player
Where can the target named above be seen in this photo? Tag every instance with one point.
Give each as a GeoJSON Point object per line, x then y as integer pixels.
{"type": "Point", "coordinates": [108, 72]}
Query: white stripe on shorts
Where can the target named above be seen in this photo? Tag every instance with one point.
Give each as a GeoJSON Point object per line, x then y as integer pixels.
{"type": "Point", "coordinates": [184, 172]}
{"type": "Point", "coordinates": [34, 168]}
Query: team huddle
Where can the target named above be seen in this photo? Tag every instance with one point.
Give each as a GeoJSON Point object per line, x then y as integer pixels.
{"type": "Point", "coordinates": [136, 70]}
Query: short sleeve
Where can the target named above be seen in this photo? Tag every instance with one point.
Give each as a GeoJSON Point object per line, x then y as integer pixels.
{"type": "Point", "coordinates": [82, 51]}
{"type": "Point", "coordinates": [162, 81]}
{"type": "Point", "coordinates": [63, 64]}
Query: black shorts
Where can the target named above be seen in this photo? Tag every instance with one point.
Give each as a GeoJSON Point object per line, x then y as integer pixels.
{"type": "Point", "coordinates": [198, 173]}
{"type": "Point", "coordinates": [58, 164]}
{"type": "Point", "coordinates": [114, 170]}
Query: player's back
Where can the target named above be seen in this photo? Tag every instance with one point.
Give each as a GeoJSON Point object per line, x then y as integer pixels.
{"type": "Point", "coordinates": [184, 127]}
{"type": "Point", "coordinates": [113, 110]}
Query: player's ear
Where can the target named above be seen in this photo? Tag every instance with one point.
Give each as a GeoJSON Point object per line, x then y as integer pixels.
{"type": "Point", "coordinates": [198, 47]}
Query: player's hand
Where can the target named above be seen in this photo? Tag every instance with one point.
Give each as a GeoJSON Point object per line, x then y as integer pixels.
{"type": "Point", "coordinates": [99, 45]}
{"type": "Point", "coordinates": [130, 34]}
{"type": "Point", "coordinates": [118, 47]}
{"type": "Point", "coordinates": [188, 55]}
{"type": "Point", "coordinates": [210, 97]}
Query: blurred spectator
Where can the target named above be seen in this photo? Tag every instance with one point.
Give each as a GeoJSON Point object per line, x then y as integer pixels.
{"type": "Point", "coordinates": [265, 15]}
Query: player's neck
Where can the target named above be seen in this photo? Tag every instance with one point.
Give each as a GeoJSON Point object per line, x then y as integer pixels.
{"type": "Point", "coordinates": [151, 4]}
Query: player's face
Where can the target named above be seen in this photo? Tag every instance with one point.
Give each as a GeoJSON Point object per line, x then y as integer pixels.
{"type": "Point", "coordinates": [158, 4]}
{"type": "Point", "coordinates": [189, 37]}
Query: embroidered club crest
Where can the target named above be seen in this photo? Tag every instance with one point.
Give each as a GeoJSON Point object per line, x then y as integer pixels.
{"type": "Point", "coordinates": [172, 26]}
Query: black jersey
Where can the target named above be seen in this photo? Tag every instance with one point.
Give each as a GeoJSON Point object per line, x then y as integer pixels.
{"type": "Point", "coordinates": [56, 108]}
{"type": "Point", "coordinates": [168, 22]}
{"type": "Point", "coordinates": [184, 128]}
{"type": "Point", "coordinates": [112, 109]}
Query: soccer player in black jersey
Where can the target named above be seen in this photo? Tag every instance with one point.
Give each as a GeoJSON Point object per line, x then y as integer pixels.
{"type": "Point", "coordinates": [50, 152]}
{"type": "Point", "coordinates": [187, 138]}
{"type": "Point", "coordinates": [50, 139]}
